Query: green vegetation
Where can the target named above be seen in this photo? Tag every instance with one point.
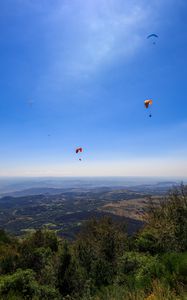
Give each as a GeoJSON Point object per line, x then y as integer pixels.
{"type": "Point", "coordinates": [63, 212]}
{"type": "Point", "coordinates": [103, 262]}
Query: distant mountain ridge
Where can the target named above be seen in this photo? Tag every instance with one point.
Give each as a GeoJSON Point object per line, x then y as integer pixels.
{"type": "Point", "coordinates": [53, 191]}
{"type": "Point", "coordinates": [34, 191]}
{"type": "Point", "coordinates": [15, 186]}
{"type": "Point", "coordinates": [154, 188]}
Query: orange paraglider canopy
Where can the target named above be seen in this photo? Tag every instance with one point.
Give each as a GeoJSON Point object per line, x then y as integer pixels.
{"type": "Point", "coordinates": [148, 102]}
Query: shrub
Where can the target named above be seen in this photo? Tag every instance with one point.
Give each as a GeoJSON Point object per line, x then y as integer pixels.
{"type": "Point", "coordinates": [136, 270]}
{"type": "Point", "coordinates": [24, 285]}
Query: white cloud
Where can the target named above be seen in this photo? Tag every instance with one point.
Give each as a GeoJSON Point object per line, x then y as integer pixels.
{"type": "Point", "coordinates": [107, 34]}
{"type": "Point", "coordinates": [82, 37]}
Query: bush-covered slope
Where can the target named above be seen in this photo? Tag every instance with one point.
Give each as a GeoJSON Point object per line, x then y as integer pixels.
{"type": "Point", "coordinates": [103, 262]}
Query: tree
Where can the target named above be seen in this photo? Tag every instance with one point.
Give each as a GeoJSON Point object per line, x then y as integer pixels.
{"type": "Point", "coordinates": [37, 248]}
{"type": "Point", "coordinates": [24, 285]}
{"type": "Point", "coordinates": [71, 277]}
{"type": "Point", "coordinates": [98, 247]}
{"type": "Point", "coordinates": [8, 253]}
{"type": "Point", "coordinates": [166, 228]}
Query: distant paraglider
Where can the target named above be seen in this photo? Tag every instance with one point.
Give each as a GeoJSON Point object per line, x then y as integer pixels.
{"type": "Point", "coordinates": [30, 103]}
{"type": "Point", "coordinates": [147, 104]}
{"type": "Point", "coordinates": [79, 150]}
{"type": "Point", "coordinates": [153, 37]}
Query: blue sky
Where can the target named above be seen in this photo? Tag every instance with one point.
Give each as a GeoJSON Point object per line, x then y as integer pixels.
{"type": "Point", "coordinates": [87, 68]}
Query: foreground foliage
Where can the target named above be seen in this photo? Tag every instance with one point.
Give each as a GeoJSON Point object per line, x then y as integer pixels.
{"type": "Point", "coordinates": [103, 263]}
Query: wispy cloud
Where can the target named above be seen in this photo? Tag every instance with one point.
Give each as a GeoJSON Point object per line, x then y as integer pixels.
{"type": "Point", "coordinates": [105, 33]}
{"type": "Point", "coordinates": [82, 37]}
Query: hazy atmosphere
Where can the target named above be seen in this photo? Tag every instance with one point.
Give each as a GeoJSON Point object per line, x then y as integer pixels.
{"type": "Point", "coordinates": [93, 150]}
{"type": "Point", "coordinates": [77, 73]}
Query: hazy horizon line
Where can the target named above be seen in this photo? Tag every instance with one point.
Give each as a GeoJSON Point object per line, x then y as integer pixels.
{"type": "Point", "coordinates": [94, 176]}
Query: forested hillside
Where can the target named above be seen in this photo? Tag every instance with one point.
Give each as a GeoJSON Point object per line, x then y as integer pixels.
{"type": "Point", "coordinates": [103, 262]}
